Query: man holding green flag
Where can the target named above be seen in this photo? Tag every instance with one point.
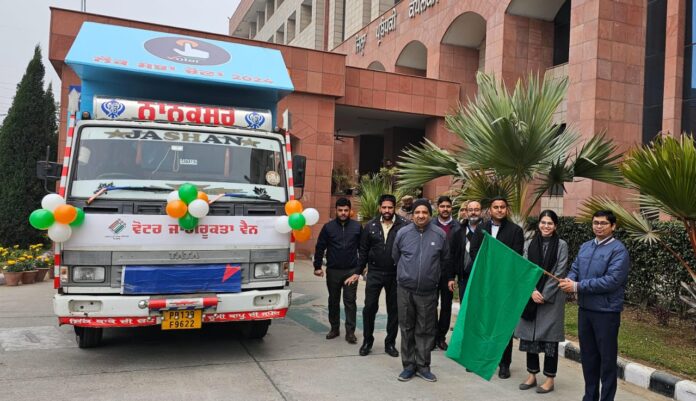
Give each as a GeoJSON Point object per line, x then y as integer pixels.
{"type": "Point", "coordinates": [498, 290]}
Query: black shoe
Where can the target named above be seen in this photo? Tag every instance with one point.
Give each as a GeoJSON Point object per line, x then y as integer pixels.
{"type": "Point", "coordinates": [391, 350]}
{"type": "Point", "coordinates": [332, 334]}
{"type": "Point", "coordinates": [350, 337]}
{"type": "Point", "coordinates": [442, 344]}
{"type": "Point", "coordinates": [504, 372]}
{"type": "Point", "coordinates": [525, 386]}
{"type": "Point", "coordinates": [365, 349]}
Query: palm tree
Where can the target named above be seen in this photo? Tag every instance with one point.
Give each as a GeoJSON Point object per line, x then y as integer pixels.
{"type": "Point", "coordinates": [510, 141]}
{"type": "Point", "coordinates": [664, 174]}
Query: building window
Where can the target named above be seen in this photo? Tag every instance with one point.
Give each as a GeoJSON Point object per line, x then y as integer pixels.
{"type": "Point", "coordinates": [561, 34]}
{"type": "Point", "coordinates": [305, 14]}
{"type": "Point", "coordinates": [654, 79]}
{"type": "Point", "coordinates": [689, 106]}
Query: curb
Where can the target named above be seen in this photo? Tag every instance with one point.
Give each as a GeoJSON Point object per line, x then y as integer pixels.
{"type": "Point", "coordinates": [659, 382]}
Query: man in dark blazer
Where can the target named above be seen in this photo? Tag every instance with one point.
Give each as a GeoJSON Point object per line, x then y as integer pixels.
{"type": "Point", "coordinates": [511, 235]}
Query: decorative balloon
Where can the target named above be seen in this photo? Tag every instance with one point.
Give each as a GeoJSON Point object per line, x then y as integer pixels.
{"type": "Point", "coordinates": [297, 220]}
{"type": "Point", "coordinates": [57, 217]}
{"type": "Point", "coordinates": [187, 204]}
{"type": "Point", "coordinates": [302, 235]}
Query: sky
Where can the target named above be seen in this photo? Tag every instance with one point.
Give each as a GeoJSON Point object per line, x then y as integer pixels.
{"type": "Point", "coordinates": [26, 22]}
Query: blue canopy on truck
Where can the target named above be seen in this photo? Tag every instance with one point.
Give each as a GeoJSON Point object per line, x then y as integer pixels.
{"type": "Point", "coordinates": [118, 61]}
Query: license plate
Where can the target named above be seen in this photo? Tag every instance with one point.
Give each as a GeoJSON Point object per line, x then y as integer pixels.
{"type": "Point", "coordinates": [182, 319]}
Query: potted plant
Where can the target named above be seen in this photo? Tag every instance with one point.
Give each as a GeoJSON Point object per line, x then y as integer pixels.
{"type": "Point", "coordinates": [29, 272]}
{"type": "Point", "coordinates": [13, 272]}
{"type": "Point", "coordinates": [341, 181]}
{"type": "Point", "coordinates": [42, 267]}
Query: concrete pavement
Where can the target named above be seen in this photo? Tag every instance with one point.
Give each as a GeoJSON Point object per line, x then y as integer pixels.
{"type": "Point", "coordinates": [40, 361]}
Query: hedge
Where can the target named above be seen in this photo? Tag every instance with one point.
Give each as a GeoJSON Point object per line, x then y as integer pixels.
{"type": "Point", "coordinates": [655, 274]}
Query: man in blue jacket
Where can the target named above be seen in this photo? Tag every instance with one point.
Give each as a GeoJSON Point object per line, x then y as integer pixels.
{"type": "Point", "coordinates": [340, 239]}
{"type": "Point", "coordinates": [598, 276]}
{"type": "Point", "coordinates": [421, 256]}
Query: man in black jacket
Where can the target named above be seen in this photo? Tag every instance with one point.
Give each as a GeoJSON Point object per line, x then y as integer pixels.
{"type": "Point", "coordinates": [340, 238]}
{"type": "Point", "coordinates": [464, 247]}
{"type": "Point", "coordinates": [451, 227]}
{"type": "Point", "coordinates": [376, 245]}
{"type": "Point", "coordinates": [511, 235]}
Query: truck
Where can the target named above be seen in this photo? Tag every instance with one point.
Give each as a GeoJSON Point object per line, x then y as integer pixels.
{"type": "Point", "coordinates": [157, 111]}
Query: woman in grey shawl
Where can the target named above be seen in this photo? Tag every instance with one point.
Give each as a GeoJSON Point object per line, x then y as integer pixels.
{"type": "Point", "coordinates": [541, 327]}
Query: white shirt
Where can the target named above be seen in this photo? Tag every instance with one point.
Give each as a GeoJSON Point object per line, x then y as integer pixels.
{"type": "Point", "coordinates": [494, 230]}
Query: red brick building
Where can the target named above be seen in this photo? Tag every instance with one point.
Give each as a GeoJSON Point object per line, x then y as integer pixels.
{"type": "Point", "coordinates": [391, 82]}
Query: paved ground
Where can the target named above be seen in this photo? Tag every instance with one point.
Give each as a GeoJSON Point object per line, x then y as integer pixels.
{"type": "Point", "coordinates": [39, 361]}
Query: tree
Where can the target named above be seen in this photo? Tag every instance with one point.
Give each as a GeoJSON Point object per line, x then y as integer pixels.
{"type": "Point", "coordinates": [510, 142]}
{"type": "Point", "coordinates": [664, 174]}
{"type": "Point", "coordinates": [30, 126]}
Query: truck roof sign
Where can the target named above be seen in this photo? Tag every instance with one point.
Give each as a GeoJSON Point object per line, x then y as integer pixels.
{"type": "Point", "coordinates": [136, 63]}
{"type": "Point", "coordinates": [107, 108]}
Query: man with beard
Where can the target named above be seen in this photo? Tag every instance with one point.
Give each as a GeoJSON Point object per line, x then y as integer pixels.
{"type": "Point", "coordinates": [510, 234]}
{"type": "Point", "coordinates": [450, 226]}
{"type": "Point", "coordinates": [376, 245]}
{"type": "Point", "coordinates": [406, 209]}
{"type": "Point", "coordinates": [464, 246]}
{"type": "Point", "coordinates": [421, 253]}
{"type": "Point", "coordinates": [340, 238]}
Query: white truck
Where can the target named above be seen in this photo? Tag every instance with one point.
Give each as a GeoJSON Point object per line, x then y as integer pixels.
{"type": "Point", "coordinates": [130, 264]}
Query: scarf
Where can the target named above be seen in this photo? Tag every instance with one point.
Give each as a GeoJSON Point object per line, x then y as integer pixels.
{"type": "Point", "coordinates": [536, 255]}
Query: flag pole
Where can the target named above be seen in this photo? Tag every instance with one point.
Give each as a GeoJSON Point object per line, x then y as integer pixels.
{"type": "Point", "coordinates": [552, 276]}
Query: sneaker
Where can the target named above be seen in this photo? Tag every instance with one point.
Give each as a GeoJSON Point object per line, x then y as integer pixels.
{"type": "Point", "coordinates": [406, 375]}
{"type": "Point", "coordinates": [427, 376]}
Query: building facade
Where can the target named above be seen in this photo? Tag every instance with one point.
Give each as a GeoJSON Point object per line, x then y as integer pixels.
{"type": "Point", "coordinates": [373, 76]}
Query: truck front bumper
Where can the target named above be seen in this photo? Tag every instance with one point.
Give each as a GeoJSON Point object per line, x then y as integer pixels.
{"type": "Point", "coordinates": [138, 310]}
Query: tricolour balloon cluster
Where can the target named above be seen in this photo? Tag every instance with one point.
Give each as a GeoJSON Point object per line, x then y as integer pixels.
{"type": "Point", "coordinates": [297, 220]}
{"type": "Point", "coordinates": [57, 217]}
{"type": "Point", "coordinates": [188, 204]}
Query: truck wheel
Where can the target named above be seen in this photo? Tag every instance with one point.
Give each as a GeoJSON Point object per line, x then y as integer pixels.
{"type": "Point", "coordinates": [256, 329]}
{"type": "Point", "coordinates": [88, 337]}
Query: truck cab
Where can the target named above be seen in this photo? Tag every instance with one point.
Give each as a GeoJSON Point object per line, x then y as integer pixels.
{"type": "Point", "coordinates": [144, 131]}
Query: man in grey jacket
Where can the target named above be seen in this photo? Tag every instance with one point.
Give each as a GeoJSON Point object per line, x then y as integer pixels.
{"type": "Point", "coordinates": [421, 255]}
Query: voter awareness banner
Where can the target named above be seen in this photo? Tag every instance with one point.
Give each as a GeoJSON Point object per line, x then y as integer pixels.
{"type": "Point", "coordinates": [150, 232]}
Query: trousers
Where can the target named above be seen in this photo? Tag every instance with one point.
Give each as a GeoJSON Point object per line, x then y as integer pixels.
{"type": "Point", "coordinates": [376, 281]}
{"type": "Point", "coordinates": [417, 323]}
{"type": "Point", "coordinates": [599, 345]}
{"type": "Point", "coordinates": [335, 285]}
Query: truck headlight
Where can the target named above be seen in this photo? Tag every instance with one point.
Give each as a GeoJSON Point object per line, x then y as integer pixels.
{"type": "Point", "coordinates": [88, 274]}
{"type": "Point", "coordinates": [266, 270]}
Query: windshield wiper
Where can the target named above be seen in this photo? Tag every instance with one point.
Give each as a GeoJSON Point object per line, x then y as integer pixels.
{"type": "Point", "coordinates": [102, 189]}
{"type": "Point", "coordinates": [264, 197]}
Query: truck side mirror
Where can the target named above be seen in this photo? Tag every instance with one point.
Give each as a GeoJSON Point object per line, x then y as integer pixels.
{"type": "Point", "coordinates": [48, 171]}
{"type": "Point", "coordinates": [299, 164]}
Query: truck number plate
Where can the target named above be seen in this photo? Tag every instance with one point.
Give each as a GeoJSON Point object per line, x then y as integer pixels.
{"type": "Point", "coordinates": [182, 319]}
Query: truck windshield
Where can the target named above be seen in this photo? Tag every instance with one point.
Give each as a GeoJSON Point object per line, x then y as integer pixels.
{"type": "Point", "coordinates": [216, 163]}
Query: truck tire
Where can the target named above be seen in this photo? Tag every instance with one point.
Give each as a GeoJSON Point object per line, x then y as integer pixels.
{"type": "Point", "coordinates": [88, 337]}
{"type": "Point", "coordinates": [256, 329]}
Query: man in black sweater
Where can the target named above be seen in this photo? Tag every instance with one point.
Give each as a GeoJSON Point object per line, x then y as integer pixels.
{"type": "Point", "coordinates": [511, 235]}
{"type": "Point", "coordinates": [451, 227]}
{"type": "Point", "coordinates": [340, 239]}
{"type": "Point", "coordinates": [376, 245]}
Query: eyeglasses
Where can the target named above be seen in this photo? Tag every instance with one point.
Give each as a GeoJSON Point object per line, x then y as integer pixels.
{"type": "Point", "coordinates": [473, 210]}
{"type": "Point", "coordinates": [600, 223]}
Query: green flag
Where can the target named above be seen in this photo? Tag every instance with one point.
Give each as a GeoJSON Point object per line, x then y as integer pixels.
{"type": "Point", "coordinates": [499, 287]}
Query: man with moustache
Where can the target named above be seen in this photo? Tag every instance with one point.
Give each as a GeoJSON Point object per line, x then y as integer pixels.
{"type": "Point", "coordinates": [450, 226]}
{"type": "Point", "coordinates": [340, 239]}
{"type": "Point", "coordinates": [464, 247]}
{"type": "Point", "coordinates": [376, 245]}
{"type": "Point", "coordinates": [511, 235]}
{"type": "Point", "coordinates": [421, 254]}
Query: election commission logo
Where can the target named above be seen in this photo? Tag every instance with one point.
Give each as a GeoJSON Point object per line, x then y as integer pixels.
{"type": "Point", "coordinates": [187, 51]}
